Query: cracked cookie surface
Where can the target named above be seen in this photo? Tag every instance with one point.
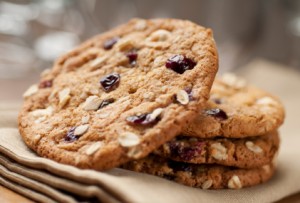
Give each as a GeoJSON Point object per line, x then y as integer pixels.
{"type": "Point", "coordinates": [121, 94]}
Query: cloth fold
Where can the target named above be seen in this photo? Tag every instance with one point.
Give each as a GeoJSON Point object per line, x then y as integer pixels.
{"type": "Point", "coordinates": [25, 191]}
{"type": "Point", "coordinates": [82, 190]}
{"type": "Point", "coordinates": [44, 180]}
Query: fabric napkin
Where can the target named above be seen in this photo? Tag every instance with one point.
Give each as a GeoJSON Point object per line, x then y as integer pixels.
{"type": "Point", "coordinates": [43, 180]}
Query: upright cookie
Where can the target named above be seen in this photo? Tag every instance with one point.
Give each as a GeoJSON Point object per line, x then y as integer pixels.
{"type": "Point", "coordinates": [251, 152]}
{"type": "Point", "coordinates": [237, 110]}
{"type": "Point", "coordinates": [201, 175]}
{"type": "Point", "coordinates": [120, 95]}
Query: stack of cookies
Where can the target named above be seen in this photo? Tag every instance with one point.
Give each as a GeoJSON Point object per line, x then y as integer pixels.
{"type": "Point", "coordinates": [231, 144]}
{"type": "Point", "coordinates": [138, 97]}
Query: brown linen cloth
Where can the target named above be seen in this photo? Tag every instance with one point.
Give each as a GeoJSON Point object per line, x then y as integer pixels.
{"type": "Point", "coordinates": [43, 180]}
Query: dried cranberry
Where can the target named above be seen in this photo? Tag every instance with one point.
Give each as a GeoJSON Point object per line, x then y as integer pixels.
{"type": "Point", "coordinates": [218, 113]}
{"type": "Point", "coordinates": [45, 84]}
{"type": "Point", "coordinates": [110, 82]}
{"type": "Point", "coordinates": [185, 153]}
{"type": "Point", "coordinates": [217, 100]}
{"type": "Point", "coordinates": [132, 57]}
{"type": "Point", "coordinates": [143, 119]}
{"type": "Point", "coordinates": [169, 176]}
{"type": "Point", "coordinates": [180, 63]}
{"type": "Point", "coordinates": [180, 166]}
{"type": "Point", "coordinates": [106, 102]}
{"type": "Point", "coordinates": [70, 137]}
{"type": "Point", "coordinates": [175, 148]}
{"type": "Point", "coordinates": [108, 44]}
{"type": "Point", "coordinates": [192, 152]}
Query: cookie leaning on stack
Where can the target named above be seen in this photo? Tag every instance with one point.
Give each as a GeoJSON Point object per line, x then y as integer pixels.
{"type": "Point", "coordinates": [120, 95]}
{"type": "Point", "coordinates": [232, 143]}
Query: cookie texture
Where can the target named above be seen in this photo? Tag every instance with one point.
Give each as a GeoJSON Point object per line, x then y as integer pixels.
{"type": "Point", "coordinates": [236, 110]}
{"type": "Point", "coordinates": [243, 153]}
{"type": "Point", "coordinates": [201, 175]}
{"type": "Point", "coordinates": [121, 94]}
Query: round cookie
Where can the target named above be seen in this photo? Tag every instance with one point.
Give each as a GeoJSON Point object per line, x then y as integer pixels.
{"type": "Point", "coordinates": [249, 152]}
{"type": "Point", "coordinates": [121, 94]}
{"type": "Point", "coordinates": [202, 176]}
{"type": "Point", "coordinates": [237, 110]}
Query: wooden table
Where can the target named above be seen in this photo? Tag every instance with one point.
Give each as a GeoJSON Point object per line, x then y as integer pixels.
{"type": "Point", "coordinates": [8, 196]}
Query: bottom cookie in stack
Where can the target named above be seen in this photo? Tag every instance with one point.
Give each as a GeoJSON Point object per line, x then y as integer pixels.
{"type": "Point", "coordinates": [213, 163]}
{"type": "Point", "coordinates": [202, 175]}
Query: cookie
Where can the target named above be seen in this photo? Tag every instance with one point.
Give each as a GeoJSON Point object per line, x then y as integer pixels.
{"type": "Point", "coordinates": [236, 110]}
{"type": "Point", "coordinates": [249, 152]}
{"type": "Point", "coordinates": [201, 175]}
{"type": "Point", "coordinates": [120, 95]}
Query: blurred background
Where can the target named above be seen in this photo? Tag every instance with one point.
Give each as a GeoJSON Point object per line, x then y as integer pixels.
{"type": "Point", "coordinates": [258, 39]}
{"type": "Point", "coordinates": [33, 33]}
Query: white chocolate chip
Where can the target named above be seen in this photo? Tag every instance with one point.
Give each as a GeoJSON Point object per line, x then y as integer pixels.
{"type": "Point", "coordinates": [207, 184]}
{"type": "Point", "coordinates": [102, 115]}
{"type": "Point", "coordinates": [254, 148]}
{"type": "Point", "coordinates": [134, 153]}
{"type": "Point", "coordinates": [233, 81]}
{"type": "Point", "coordinates": [31, 91]}
{"type": "Point", "coordinates": [128, 139]}
{"type": "Point", "coordinates": [234, 182]}
{"type": "Point", "coordinates": [219, 152]}
{"type": "Point", "coordinates": [93, 148]}
{"type": "Point", "coordinates": [40, 119]}
{"type": "Point", "coordinates": [64, 97]}
{"type": "Point", "coordinates": [156, 113]}
{"type": "Point", "coordinates": [159, 36]}
{"type": "Point", "coordinates": [124, 44]}
{"type": "Point", "coordinates": [182, 97]}
{"type": "Point", "coordinates": [266, 101]}
{"type": "Point", "coordinates": [98, 62]}
{"type": "Point", "coordinates": [140, 25]}
{"type": "Point", "coordinates": [92, 103]}
{"type": "Point", "coordinates": [43, 112]}
{"type": "Point", "coordinates": [80, 130]}
{"type": "Point", "coordinates": [85, 119]}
